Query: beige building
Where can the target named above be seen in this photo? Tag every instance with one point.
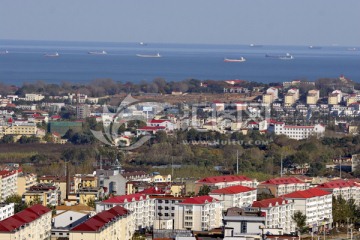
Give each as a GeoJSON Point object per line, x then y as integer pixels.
{"type": "Point", "coordinates": [8, 181]}
{"type": "Point", "coordinates": [334, 98]}
{"type": "Point", "coordinates": [19, 129]}
{"type": "Point", "coordinates": [116, 223]}
{"type": "Point", "coordinates": [313, 97]}
{"type": "Point", "coordinates": [289, 100]}
{"type": "Point", "coordinates": [60, 182]}
{"type": "Point", "coordinates": [32, 223]}
{"type": "Point", "coordinates": [33, 97]}
{"type": "Point", "coordinates": [284, 185]}
{"type": "Point", "coordinates": [268, 98]}
{"type": "Point", "coordinates": [201, 213]}
{"type": "Point", "coordinates": [350, 100]}
{"type": "Point", "coordinates": [25, 181]}
{"type": "Point", "coordinates": [46, 194]}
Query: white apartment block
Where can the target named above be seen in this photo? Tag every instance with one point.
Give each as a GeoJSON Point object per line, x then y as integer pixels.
{"type": "Point", "coordinates": [32, 223]}
{"type": "Point", "coordinates": [299, 132]}
{"type": "Point", "coordinates": [315, 203]}
{"type": "Point", "coordinates": [141, 205]}
{"type": "Point", "coordinates": [235, 196]}
{"type": "Point", "coordinates": [6, 210]}
{"type": "Point", "coordinates": [278, 213]}
{"type": "Point", "coordinates": [273, 91]}
{"type": "Point", "coordinates": [198, 214]}
{"type": "Point", "coordinates": [33, 97]}
{"type": "Point", "coordinates": [225, 181]}
{"type": "Point", "coordinates": [116, 223]}
{"type": "Point", "coordinates": [8, 183]}
{"type": "Point", "coordinates": [347, 189]}
{"type": "Point", "coordinates": [284, 185]}
{"type": "Point", "coordinates": [165, 207]}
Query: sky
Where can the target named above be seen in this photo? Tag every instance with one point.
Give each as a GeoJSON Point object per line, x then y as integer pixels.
{"type": "Point", "coordinates": [277, 22]}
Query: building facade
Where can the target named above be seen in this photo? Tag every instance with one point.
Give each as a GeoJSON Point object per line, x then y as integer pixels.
{"type": "Point", "coordinates": [284, 185]}
{"type": "Point", "coordinates": [235, 196]}
{"type": "Point", "coordinates": [299, 132]}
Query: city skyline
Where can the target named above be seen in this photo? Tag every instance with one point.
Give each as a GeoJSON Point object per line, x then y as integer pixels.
{"type": "Point", "coordinates": [208, 22]}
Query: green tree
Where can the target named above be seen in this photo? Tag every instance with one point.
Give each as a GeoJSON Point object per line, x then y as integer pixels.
{"type": "Point", "coordinates": [91, 202]}
{"type": "Point", "coordinates": [7, 139]}
{"type": "Point", "coordinates": [300, 220]}
{"type": "Point", "coordinates": [19, 205]}
{"type": "Point", "coordinates": [204, 190]}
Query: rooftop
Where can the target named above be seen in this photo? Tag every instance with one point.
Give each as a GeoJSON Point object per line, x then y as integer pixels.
{"type": "Point", "coordinates": [232, 190]}
{"type": "Point", "coordinates": [225, 178]}
{"type": "Point", "coordinates": [309, 193]}
{"type": "Point", "coordinates": [269, 202]}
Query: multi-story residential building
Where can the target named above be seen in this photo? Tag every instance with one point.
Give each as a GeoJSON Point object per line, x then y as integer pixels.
{"type": "Point", "coordinates": [32, 223]}
{"type": "Point", "coordinates": [347, 189]}
{"type": "Point", "coordinates": [165, 207]}
{"type": "Point", "coordinates": [45, 193]}
{"type": "Point", "coordinates": [157, 178]}
{"type": "Point", "coordinates": [59, 182]}
{"type": "Point", "coordinates": [8, 181]}
{"type": "Point", "coordinates": [34, 97]}
{"type": "Point", "coordinates": [82, 111]}
{"type": "Point", "coordinates": [289, 99]}
{"type": "Point", "coordinates": [235, 196]}
{"type": "Point", "coordinates": [25, 181]}
{"type": "Point", "coordinates": [335, 97]}
{"type": "Point", "coordinates": [141, 205]}
{"type": "Point", "coordinates": [225, 181]}
{"type": "Point", "coordinates": [268, 98]}
{"type": "Point", "coordinates": [273, 91]}
{"type": "Point", "coordinates": [6, 210]}
{"type": "Point", "coordinates": [278, 213]}
{"type": "Point", "coordinates": [116, 223]}
{"type": "Point", "coordinates": [284, 185]}
{"type": "Point", "coordinates": [315, 203]}
{"type": "Point", "coordinates": [112, 180]}
{"type": "Point", "coordinates": [299, 132]}
{"type": "Point", "coordinates": [351, 99]}
{"type": "Point", "coordinates": [19, 129]}
{"type": "Point", "coordinates": [85, 181]}
{"type": "Point", "coordinates": [87, 194]}
{"type": "Point", "coordinates": [198, 214]}
{"type": "Point", "coordinates": [313, 97]}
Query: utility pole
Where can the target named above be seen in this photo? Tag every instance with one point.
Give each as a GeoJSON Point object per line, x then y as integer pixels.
{"type": "Point", "coordinates": [340, 165]}
{"type": "Point", "coordinates": [281, 166]}
{"type": "Point", "coordinates": [237, 161]}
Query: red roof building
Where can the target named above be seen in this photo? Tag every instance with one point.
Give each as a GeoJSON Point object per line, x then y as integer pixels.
{"type": "Point", "coordinates": [347, 189]}
{"type": "Point", "coordinates": [284, 185]}
{"type": "Point", "coordinates": [34, 221]}
{"type": "Point", "coordinates": [225, 181]}
{"type": "Point", "coordinates": [309, 193]}
{"type": "Point", "coordinates": [201, 200]}
{"type": "Point", "coordinates": [235, 196]}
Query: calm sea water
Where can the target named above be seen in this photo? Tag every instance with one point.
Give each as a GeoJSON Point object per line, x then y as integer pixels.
{"type": "Point", "coordinates": [25, 62]}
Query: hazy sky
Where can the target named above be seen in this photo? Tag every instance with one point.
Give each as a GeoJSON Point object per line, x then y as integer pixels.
{"type": "Point", "coordinates": [291, 22]}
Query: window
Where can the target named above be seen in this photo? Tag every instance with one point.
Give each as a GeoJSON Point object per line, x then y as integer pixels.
{"type": "Point", "coordinates": [243, 227]}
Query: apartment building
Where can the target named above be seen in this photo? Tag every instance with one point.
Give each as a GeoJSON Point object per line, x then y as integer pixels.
{"type": "Point", "coordinates": [19, 129]}
{"type": "Point", "coordinates": [32, 223]}
{"type": "Point", "coordinates": [6, 210]}
{"type": "Point", "coordinates": [167, 124]}
{"type": "Point", "coordinates": [347, 189]}
{"type": "Point", "coordinates": [45, 193]}
{"type": "Point", "coordinates": [278, 213]}
{"type": "Point", "coordinates": [291, 97]}
{"type": "Point", "coordinates": [315, 203]}
{"type": "Point", "coordinates": [165, 206]}
{"type": "Point", "coordinates": [25, 181]}
{"type": "Point", "coordinates": [198, 214]}
{"type": "Point", "coordinates": [235, 196]}
{"type": "Point", "coordinates": [34, 97]}
{"type": "Point", "coordinates": [312, 97]}
{"type": "Point", "coordinates": [299, 132]}
{"type": "Point", "coordinates": [60, 182]}
{"type": "Point", "coordinates": [225, 181]}
{"type": "Point", "coordinates": [141, 205]}
{"type": "Point", "coordinates": [8, 181]}
{"type": "Point", "coordinates": [268, 98]}
{"type": "Point", "coordinates": [85, 181]}
{"type": "Point", "coordinates": [284, 185]}
{"type": "Point", "coordinates": [82, 111]}
{"type": "Point", "coordinates": [335, 97]}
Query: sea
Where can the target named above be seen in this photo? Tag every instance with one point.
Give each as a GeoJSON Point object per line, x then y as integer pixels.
{"type": "Point", "coordinates": [26, 62]}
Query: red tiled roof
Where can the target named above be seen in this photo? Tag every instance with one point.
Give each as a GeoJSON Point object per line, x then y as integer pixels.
{"type": "Point", "coordinates": [152, 190]}
{"type": "Point", "coordinates": [232, 190]}
{"type": "Point", "coordinates": [337, 184]}
{"type": "Point", "coordinates": [6, 173]}
{"type": "Point", "coordinates": [225, 178]}
{"type": "Point", "coordinates": [123, 198]}
{"type": "Point", "coordinates": [199, 200]}
{"type": "Point", "coordinates": [148, 128]}
{"type": "Point", "coordinates": [159, 120]}
{"type": "Point", "coordinates": [267, 202]}
{"type": "Point", "coordinates": [309, 193]}
{"type": "Point", "coordinates": [21, 218]}
{"type": "Point", "coordinates": [100, 220]}
{"type": "Point", "coordinates": [284, 180]}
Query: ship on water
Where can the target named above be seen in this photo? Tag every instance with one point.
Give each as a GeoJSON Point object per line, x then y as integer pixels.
{"type": "Point", "coordinates": [255, 45]}
{"type": "Point", "coordinates": [56, 54]}
{"type": "Point", "coordinates": [4, 52]}
{"type": "Point", "coordinates": [287, 56]}
{"type": "Point", "coordinates": [97, 53]}
{"type": "Point", "coordinates": [149, 55]}
{"type": "Point", "coordinates": [242, 59]}
{"type": "Point", "coordinates": [314, 47]}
